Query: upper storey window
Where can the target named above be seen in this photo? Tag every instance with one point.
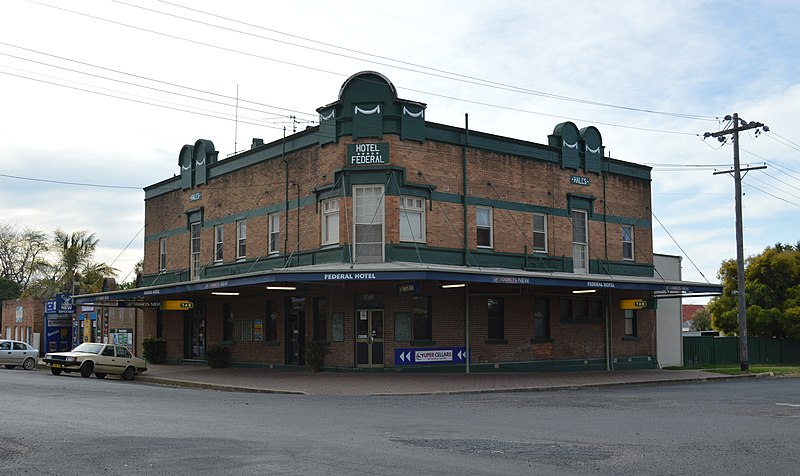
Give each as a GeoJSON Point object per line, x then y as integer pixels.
{"type": "Point", "coordinates": [483, 221]}
{"type": "Point", "coordinates": [368, 223]}
{"type": "Point", "coordinates": [330, 221]}
{"type": "Point", "coordinates": [412, 219]}
{"type": "Point", "coordinates": [580, 241]}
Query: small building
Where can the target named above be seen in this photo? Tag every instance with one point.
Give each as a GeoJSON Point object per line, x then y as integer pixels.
{"type": "Point", "coordinates": [669, 341]}
{"type": "Point", "coordinates": [688, 311]}
{"type": "Point", "coordinates": [405, 244]}
{"type": "Point", "coordinates": [22, 320]}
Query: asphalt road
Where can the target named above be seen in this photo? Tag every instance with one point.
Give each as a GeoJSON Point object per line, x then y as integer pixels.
{"type": "Point", "coordinates": [69, 425]}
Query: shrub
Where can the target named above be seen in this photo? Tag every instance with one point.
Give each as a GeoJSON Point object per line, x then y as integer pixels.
{"type": "Point", "coordinates": [218, 356]}
{"type": "Point", "coordinates": [315, 355]}
{"type": "Point", "coordinates": [154, 350]}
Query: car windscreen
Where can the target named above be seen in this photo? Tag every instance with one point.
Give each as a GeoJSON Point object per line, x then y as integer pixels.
{"type": "Point", "coordinates": [89, 348]}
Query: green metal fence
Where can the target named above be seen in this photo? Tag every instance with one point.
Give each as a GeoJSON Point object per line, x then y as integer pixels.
{"type": "Point", "coordinates": [708, 350]}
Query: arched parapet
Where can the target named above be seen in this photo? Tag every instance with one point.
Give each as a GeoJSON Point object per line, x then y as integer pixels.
{"type": "Point", "coordinates": [368, 107]}
{"type": "Point", "coordinates": [565, 136]}
{"type": "Point", "coordinates": [592, 146]}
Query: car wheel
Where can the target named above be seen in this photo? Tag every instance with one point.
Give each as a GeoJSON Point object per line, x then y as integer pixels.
{"type": "Point", "coordinates": [29, 364]}
{"type": "Point", "coordinates": [86, 369]}
{"type": "Point", "coordinates": [100, 375]}
{"type": "Point", "coordinates": [10, 366]}
{"type": "Point", "coordinates": [55, 371]}
{"type": "Point", "coordinates": [128, 373]}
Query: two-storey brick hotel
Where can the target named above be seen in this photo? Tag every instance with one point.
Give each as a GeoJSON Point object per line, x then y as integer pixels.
{"type": "Point", "coordinates": [401, 243]}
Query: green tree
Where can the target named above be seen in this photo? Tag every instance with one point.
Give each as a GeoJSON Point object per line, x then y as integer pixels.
{"type": "Point", "coordinates": [137, 273]}
{"type": "Point", "coordinates": [9, 289]}
{"type": "Point", "coordinates": [701, 320]}
{"type": "Point", "coordinates": [772, 294]}
{"type": "Point", "coordinates": [22, 254]}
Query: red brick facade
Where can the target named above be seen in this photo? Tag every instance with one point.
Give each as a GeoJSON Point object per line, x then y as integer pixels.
{"type": "Point", "coordinates": [293, 178]}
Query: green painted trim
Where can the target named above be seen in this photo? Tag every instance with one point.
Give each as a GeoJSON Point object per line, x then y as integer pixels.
{"type": "Point", "coordinates": [624, 268]}
{"type": "Point", "coordinates": [638, 362]}
{"type": "Point", "coordinates": [170, 277]}
{"type": "Point", "coordinates": [407, 252]}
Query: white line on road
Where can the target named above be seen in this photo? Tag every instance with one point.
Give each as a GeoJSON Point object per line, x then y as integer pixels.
{"type": "Point", "coordinates": [789, 404]}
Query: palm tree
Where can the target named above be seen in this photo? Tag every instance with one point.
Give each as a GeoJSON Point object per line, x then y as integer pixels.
{"type": "Point", "coordinates": [75, 267]}
{"type": "Point", "coordinates": [72, 270]}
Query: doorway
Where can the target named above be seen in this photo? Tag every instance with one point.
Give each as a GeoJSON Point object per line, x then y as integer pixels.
{"type": "Point", "coordinates": [296, 331]}
{"type": "Point", "coordinates": [194, 333]}
{"type": "Point", "coordinates": [369, 338]}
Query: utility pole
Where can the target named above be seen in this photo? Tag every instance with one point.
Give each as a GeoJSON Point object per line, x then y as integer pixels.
{"type": "Point", "coordinates": [739, 125]}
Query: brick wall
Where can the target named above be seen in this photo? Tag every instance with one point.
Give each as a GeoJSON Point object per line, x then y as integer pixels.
{"type": "Point", "coordinates": [491, 176]}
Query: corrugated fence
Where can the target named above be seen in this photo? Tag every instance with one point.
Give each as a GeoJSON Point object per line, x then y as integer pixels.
{"type": "Point", "coordinates": [708, 350]}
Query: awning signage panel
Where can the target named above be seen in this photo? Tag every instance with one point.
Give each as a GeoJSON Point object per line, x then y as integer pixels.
{"type": "Point", "coordinates": [634, 304]}
{"type": "Point", "coordinates": [417, 275]}
{"type": "Point", "coordinates": [175, 305]}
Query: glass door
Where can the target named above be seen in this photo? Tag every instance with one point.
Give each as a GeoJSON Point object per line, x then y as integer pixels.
{"type": "Point", "coordinates": [369, 338]}
{"type": "Point", "coordinates": [296, 331]}
{"type": "Point", "coordinates": [194, 334]}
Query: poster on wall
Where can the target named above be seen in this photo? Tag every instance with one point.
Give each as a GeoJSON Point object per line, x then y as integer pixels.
{"type": "Point", "coordinates": [122, 337]}
{"type": "Point", "coordinates": [258, 329]}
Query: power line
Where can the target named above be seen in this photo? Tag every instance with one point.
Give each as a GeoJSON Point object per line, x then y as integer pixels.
{"type": "Point", "coordinates": [61, 182]}
{"type": "Point", "coordinates": [167, 83]}
{"type": "Point", "coordinates": [443, 73]}
{"type": "Point", "coordinates": [133, 84]}
{"type": "Point", "coordinates": [136, 100]}
{"type": "Point", "coordinates": [298, 65]}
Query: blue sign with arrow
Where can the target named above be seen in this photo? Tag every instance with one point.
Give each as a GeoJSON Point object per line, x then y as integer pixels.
{"type": "Point", "coordinates": [428, 356]}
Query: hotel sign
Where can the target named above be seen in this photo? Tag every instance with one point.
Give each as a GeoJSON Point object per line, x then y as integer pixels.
{"type": "Point", "coordinates": [578, 180]}
{"type": "Point", "coordinates": [368, 153]}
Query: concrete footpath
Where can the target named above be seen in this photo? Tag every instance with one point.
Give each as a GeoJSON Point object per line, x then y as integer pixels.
{"type": "Point", "coordinates": [355, 383]}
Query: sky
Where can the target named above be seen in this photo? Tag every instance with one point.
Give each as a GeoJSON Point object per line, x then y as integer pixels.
{"type": "Point", "coordinates": [97, 97]}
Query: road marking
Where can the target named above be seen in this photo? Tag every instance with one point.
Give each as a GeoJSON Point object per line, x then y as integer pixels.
{"type": "Point", "coordinates": [797, 405]}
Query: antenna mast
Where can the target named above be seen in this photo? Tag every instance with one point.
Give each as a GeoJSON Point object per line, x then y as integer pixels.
{"type": "Point", "coordinates": [236, 126]}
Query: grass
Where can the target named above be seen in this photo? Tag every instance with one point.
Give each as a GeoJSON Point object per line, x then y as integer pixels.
{"type": "Point", "coordinates": [735, 369]}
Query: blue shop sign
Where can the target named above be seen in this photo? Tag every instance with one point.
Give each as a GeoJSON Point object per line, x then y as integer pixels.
{"type": "Point", "coordinates": [62, 304]}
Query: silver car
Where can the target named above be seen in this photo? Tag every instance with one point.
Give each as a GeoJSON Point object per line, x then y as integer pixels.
{"type": "Point", "coordinates": [14, 353]}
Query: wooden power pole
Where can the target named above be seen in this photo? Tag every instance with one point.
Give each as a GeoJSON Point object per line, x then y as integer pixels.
{"type": "Point", "coordinates": [739, 125]}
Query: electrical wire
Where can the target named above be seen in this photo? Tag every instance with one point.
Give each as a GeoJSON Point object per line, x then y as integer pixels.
{"type": "Point", "coordinates": [438, 72]}
{"type": "Point", "coordinates": [298, 65]}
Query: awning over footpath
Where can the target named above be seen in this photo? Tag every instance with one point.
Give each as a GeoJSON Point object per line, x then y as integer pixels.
{"type": "Point", "coordinates": [409, 272]}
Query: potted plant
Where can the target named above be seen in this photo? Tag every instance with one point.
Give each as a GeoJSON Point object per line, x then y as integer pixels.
{"type": "Point", "coordinates": [315, 355]}
{"type": "Point", "coordinates": [154, 350]}
{"type": "Point", "coordinates": [218, 356]}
